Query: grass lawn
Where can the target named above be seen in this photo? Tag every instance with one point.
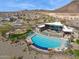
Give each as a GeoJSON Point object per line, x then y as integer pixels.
{"type": "Point", "coordinates": [77, 41]}
{"type": "Point", "coordinates": [76, 52]}
{"type": "Point", "coordinates": [17, 37]}
{"type": "Point", "coordinates": [73, 52]}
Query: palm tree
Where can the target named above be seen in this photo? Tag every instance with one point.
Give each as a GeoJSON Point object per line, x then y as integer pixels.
{"type": "Point", "coordinates": [24, 50]}
{"type": "Point", "coordinates": [14, 57]}
{"type": "Point", "coordinates": [35, 55]}
{"type": "Point", "coordinates": [20, 57]}
{"type": "Point", "coordinates": [71, 38]}
{"type": "Point", "coordinates": [50, 52]}
{"type": "Point", "coordinates": [29, 48]}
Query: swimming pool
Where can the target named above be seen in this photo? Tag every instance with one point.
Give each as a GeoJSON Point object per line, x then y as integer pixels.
{"type": "Point", "coordinates": [45, 42]}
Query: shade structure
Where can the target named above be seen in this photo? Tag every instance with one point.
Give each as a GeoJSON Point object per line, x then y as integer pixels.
{"type": "Point", "coordinates": [40, 26]}
{"type": "Point", "coordinates": [67, 29]}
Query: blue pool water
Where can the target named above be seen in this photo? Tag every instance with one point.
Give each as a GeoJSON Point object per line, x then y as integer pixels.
{"type": "Point", "coordinates": [46, 42]}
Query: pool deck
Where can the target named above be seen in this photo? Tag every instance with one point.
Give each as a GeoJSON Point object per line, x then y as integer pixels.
{"type": "Point", "coordinates": [62, 48]}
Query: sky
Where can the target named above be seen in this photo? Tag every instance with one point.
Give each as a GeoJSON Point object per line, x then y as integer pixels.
{"type": "Point", "coordinates": [15, 5]}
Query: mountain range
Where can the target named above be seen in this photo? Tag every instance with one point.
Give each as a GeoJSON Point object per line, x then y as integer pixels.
{"type": "Point", "coordinates": [73, 7]}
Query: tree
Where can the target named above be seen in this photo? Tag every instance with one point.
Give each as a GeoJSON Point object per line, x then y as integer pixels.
{"type": "Point", "coordinates": [20, 57]}
{"type": "Point", "coordinates": [50, 52]}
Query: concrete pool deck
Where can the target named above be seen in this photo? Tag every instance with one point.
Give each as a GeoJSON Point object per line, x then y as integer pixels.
{"type": "Point", "coordinates": [62, 48]}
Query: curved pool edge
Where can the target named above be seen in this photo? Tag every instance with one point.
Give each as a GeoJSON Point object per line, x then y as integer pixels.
{"type": "Point", "coordinates": [38, 49]}
{"type": "Point", "coordinates": [44, 50]}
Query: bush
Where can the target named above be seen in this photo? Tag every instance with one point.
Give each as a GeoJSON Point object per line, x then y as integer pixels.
{"type": "Point", "coordinates": [68, 52]}
{"type": "Point", "coordinates": [17, 37]}
{"type": "Point", "coordinates": [77, 41]}
{"type": "Point", "coordinates": [76, 52]}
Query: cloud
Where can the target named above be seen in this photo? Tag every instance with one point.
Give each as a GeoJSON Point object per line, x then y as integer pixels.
{"type": "Point", "coordinates": [12, 5]}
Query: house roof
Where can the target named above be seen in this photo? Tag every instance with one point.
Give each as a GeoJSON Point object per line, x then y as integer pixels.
{"type": "Point", "coordinates": [55, 23]}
